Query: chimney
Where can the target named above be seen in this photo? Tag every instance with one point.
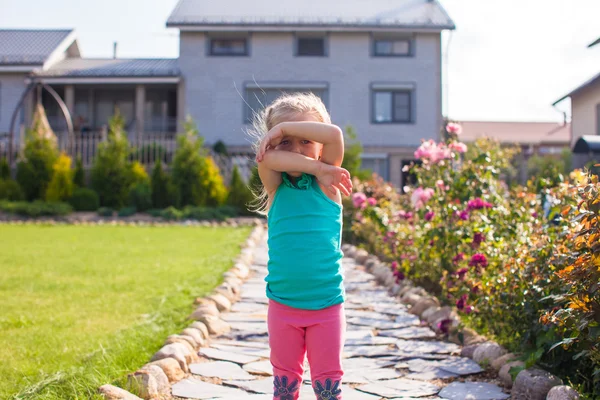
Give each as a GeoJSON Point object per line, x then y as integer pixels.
{"type": "Point", "coordinates": [115, 50]}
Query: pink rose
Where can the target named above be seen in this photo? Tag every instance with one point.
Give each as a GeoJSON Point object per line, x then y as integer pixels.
{"type": "Point", "coordinates": [458, 147]}
{"type": "Point", "coordinates": [421, 196]}
{"type": "Point", "coordinates": [358, 199]}
{"type": "Point", "coordinates": [454, 128]}
{"type": "Point", "coordinates": [371, 201]}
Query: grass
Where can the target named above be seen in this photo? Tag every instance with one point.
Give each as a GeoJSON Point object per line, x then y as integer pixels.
{"type": "Point", "coordinates": [82, 306]}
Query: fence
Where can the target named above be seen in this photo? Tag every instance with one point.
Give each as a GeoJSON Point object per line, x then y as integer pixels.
{"type": "Point", "coordinates": [147, 149]}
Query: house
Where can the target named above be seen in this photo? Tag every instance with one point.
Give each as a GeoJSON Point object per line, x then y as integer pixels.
{"type": "Point", "coordinates": [585, 112]}
{"type": "Point", "coordinates": [533, 138]}
{"type": "Point", "coordinates": [376, 65]}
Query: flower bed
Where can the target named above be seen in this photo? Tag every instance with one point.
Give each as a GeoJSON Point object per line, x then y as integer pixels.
{"type": "Point", "coordinates": [520, 264]}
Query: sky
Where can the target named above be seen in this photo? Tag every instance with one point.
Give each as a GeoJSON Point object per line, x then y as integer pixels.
{"type": "Point", "coordinates": [507, 60]}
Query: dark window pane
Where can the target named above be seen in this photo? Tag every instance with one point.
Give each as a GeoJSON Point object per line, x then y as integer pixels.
{"type": "Point", "coordinates": [228, 47]}
{"type": "Point", "coordinates": [311, 47]}
{"type": "Point", "coordinates": [402, 106]}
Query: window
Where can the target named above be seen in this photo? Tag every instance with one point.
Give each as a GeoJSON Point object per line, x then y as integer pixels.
{"type": "Point", "coordinates": [392, 106]}
{"type": "Point", "coordinates": [310, 47]}
{"type": "Point", "coordinates": [259, 98]}
{"type": "Point", "coordinates": [377, 164]}
{"type": "Point", "coordinates": [229, 47]}
{"type": "Point", "coordinates": [392, 47]}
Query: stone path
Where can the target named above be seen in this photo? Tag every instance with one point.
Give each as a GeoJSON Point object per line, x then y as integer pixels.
{"type": "Point", "coordinates": [388, 353]}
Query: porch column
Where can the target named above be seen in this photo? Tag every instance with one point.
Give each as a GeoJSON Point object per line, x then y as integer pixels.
{"type": "Point", "coordinates": [70, 98]}
{"type": "Point", "coordinates": [180, 106]}
{"type": "Point", "coordinates": [140, 106]}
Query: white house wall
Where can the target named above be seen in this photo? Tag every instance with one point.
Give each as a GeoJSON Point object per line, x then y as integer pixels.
{"type": "Point", "coordinates": [214, 85]}
{"type": "Point", "coordinates": [584, 117]}
{"type": "Point", "coordinates": [11, 90]}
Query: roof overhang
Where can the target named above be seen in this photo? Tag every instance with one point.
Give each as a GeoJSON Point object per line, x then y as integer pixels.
{"type": "Point", "coordinates": [59, 52]}
{"type": "Point", "coordinates": [587, 84]}
{"type": "Point", "coordinates": [19, 68]}
{"type": "Point", "coordinates": [87, 80]}
{"type": "Point", "coordinates": [305, 28]}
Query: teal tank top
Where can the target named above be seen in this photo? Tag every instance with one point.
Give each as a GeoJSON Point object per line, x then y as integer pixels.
{"type": "Point", "coordinates": [305, 256]}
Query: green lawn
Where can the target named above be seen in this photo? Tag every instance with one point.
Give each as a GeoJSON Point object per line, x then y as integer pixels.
{"type": "Point", "coordinates": [81, 306]}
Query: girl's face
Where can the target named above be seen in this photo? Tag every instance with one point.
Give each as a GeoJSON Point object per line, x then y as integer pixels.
{"type": "Point", "coordinates": [298, 145]}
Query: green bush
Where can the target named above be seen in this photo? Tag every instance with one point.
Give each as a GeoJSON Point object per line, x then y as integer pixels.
{"type": "Point", "coordinates": [240, 195]}
{"type": "Point", "coordinates": [111, 174]}
{"type": "Point", "coordinates": [127, 211]}
{"type": "Point", "coordinates": [36, 208]}
{"type": "Point", "coordinates": [171, 213]}
{"type": "Point", "coordinates": [140, 197]}
{"type": "Point", "coordinates": [4, 169]}
{"type": "Point", "coordinates": [150, 153]}
{"type": "Point", "coordinates": [220, 148]}
{"type": "Point", "coordinates": [160, 187]}
{"type": "Point", "coordinates": [194, 174]}
{"type": "Point", "coordinates": [138, 173]}
{"type": "Point", "coordinates": [155, 212]}
{"type": "Point", "coordinates": [84, 199]}
{"type": "Point", "coordinates": [10, 190]}
{"type": "Point", "coordinates": [79, 174]}
{"type": "Point", "coordinates": [34, 170]}
{"type": "Point", "coordinates": [352, 152]}
{"type": "Point", "coordinates": [106, 212]}
{"type": "Point", "coordinates": [60, 187]}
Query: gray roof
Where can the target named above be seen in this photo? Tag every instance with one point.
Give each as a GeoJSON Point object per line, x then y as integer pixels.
{"type": "Point", "coordinates": [595, 42]}
{"type": "Point", "coordinates": [416, 14]}
{"type": "Point", "coordinates": [29, 47]}
{"type": "Point", "coordinates": [109, 67]}
{"type": "Point", "coordinates": [588, 83]}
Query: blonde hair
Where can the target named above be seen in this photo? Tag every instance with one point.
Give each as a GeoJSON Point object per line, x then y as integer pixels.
{"type": "Point", "coordinates": [285, 108]}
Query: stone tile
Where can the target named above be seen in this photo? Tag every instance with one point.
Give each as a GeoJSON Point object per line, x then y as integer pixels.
{"type": "Point", "coordinates": [416, 332]}
{"type": "Point", "coordinates": [241, 343]}
{"type": "Point", "coordinates": [227, 356]}
{"type": "Point", "coordinates": [400, 388]}
{"type": "Point", "coordinates": [194, 388]}
{"type": "Point", "coordinates": [256, 386]}
{"type": "Point", "coordinates": [374, 323]}
{"type": "Point", "coordinates": [473, 390]}
{"type": "Point", "coordinates": [415, 346]}
{"type": "Point", "coordinates": [246, 307]}
{"type": "Point", "coordinates": [371, 341]}
{"type": "Point", "coordinates": [431, 374]}
{"type": "Point", "coordinates": [359, 334]}
{"type": "Point", "coordinates": [245, 317]}
{"type": "Point", "coordinates": [259, 367]}
{"type": "Point", "coordinates": [221, 369]}
{"type": "Point", "coordinates": [249, 351]}
{"type": "Point", "coordinates": [460, 366]}
{"type": "Point", "coordinates": [367, 314]}
{"type": "Point", "coordinates": [407, 319]}
{"type": "Point", "coordinates": [253, 327]}
{"type": "Point", "coordinates": [368, 351]}
{"type": "Point", "coordinates": [349, 393]}
{"type": "Point", "coordinates": [390, 309]}
{"type": "Point", "coordinates": [361, 364]}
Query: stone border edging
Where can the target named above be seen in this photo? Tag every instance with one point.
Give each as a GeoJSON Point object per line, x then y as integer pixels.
{"type": "Point", "coordinates": [171, 363]}
{"type": "Point", "coordinates": [530, 384]}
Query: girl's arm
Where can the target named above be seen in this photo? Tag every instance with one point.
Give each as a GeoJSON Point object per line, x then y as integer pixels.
{"type": "Point", "coordinates": [274, 162]}
{"type": "Point", "coordinates": [331, 136]}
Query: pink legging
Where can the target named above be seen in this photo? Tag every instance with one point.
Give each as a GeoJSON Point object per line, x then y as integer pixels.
{"type": "Point", "coordinates": [317, 333]}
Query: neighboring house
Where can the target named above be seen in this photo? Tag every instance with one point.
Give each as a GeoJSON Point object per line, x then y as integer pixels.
{"type": "Point", "coordinates": [542, 138]}
{"type": "Point", "coordinates": [21, 53]}
{"type": "Point", "coordinates": [585, 111]}
{"type": "Point", "coordinates": [533, 138]}
{"type": "Point", "coordinates": [376, 65]}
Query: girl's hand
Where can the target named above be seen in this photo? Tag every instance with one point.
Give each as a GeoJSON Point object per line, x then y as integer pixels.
{"type": "Point", "coordinates": [332, 177]}
{"type": "Point", "coordinates": [271, 140]}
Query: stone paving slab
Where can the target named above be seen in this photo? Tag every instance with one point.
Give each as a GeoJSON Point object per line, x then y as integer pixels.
{"type": "Point", "coordinates": [388, 354]}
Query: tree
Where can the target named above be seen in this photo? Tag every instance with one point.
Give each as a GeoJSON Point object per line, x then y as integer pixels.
{"type": "Point", "coordinates": [239, 193]}
{"type": "Point", "coordinates": [352, 152]}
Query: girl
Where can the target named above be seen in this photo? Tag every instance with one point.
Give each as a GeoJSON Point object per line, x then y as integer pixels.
{"type": "Point", "coordinates": [299, 158]}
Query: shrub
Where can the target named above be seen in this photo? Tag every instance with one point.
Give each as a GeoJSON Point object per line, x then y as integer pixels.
{"type": "Point", "coordinates": [79, 174]}
{"type": "Point", "coordinates": [220, 148]}
{"type": "Point", "coordinates": [36, 208]}
{"type": "Point", "coordinates": [239, 195]}
{"type": "Point", "coordinates": [155, 212]}
{"type": "Point", "coordinates": [150, 153]}
{"type": "Point", "coordinates": [138, 174]}
{"type": "Point", "coordinates": [10, 190]}
{"type": "Point", "coordinates": [140, 197]}
{"type": "Point", "coordinates": [194, 174]}
{"type": "Point", "coordinates": [4, 169]}
{"type": "Point", "coordinates": [34, 170]}
{"type": "Point", "coordinates": [171, 213]}
{"type": "Point", "coordinates": [106, 212]}
{"type": "Point", "coordinates": [352, 154]}
{"type": "Point", "coordinates": [160, 187]}
{"type": "Point", "coordinates": [84, 199]}
{"type": "Point", "coordinates": [60, 187]}
{"type": "Point", "coordinates": [111, 173]}
{"type": "Point", "coordinates": [127, 211]}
